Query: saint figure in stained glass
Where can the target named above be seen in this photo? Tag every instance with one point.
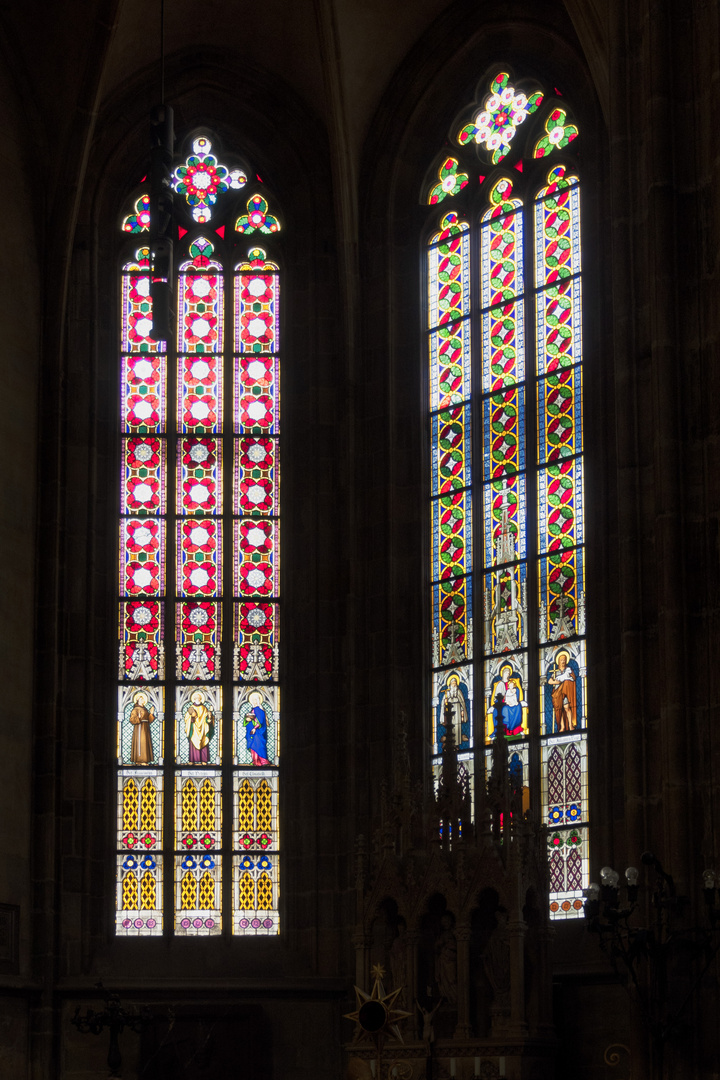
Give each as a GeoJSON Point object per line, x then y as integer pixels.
{"type": "Point", "coordinates": [562, 689]}
{"type": "Point", "coordinates": [454, 710]}
{"type": "Point", "coordinates": [199, 728]}
{"type": "Point", "coordinates": [507, 359]}
{"type": "Point", "coordinates": [508, 704]}
{"type": "Point", "coordinates": [200, 418]}
{"type": "Point", "coordinates": [141, 718]}
{"type": "Point", "coordinates": [254, 717]}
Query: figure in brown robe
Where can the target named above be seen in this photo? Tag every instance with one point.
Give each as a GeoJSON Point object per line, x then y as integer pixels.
{"type": "Point", "coordinates": [141, 718]}
{"type": "Point", "coordinates": [564, 696]}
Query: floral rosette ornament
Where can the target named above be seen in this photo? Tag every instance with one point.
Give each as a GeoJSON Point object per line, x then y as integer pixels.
{"type": "Point", "coordinates": [562, 574]}
{"type": "Point", "coordinates": [558, 133]}
{"type": "Point", "coordinates": [200, 406]}
{"type": "Point", "coordinates": [256, 537]}
{"type": "Point", "coordinates": [199, 453]}
{"type": "Point", "coordinates": [143, 453]}
{"type": "Point", "coordinates": [199, 495]}
{"type": "Point", "coordinates": [503, 111]}
{"type": "Point", "coordinates": [198, 863]}
{"type": "Point", "coordinates": [451, 461]}
{"type": "Point", "coordinates": [141, 400]}
{"type": "Point", "coordinates": [143, 536]}
{"type": "Point", "coordinates": [144, 371]}
{"type": "Point", "coordinates": [199, 548]}
{"type": "Point", "coordinates": [257, 373]}
{"type": "Point", "coordinates": [256, 496]}
{"type": "Point", "coordinates": [572, 839]}
{"type": "Point", "coordinates": [202, 178]}
{"type": "Point", "coordinates": [247, 841]}
{"type": "Point", "coordinates": [200, 332]}
{"type": "Point", "coordinates": [256, 578]}
{"type": "Point", "coordinates": [255, 621]}
{"type": "Point", "coordinates": [199, 618]}
{"type": "Point", "coordinates": [140, 329]}
{"type": "Point", "coordinates": [142, 549]}
{"type": "Point", "coordinates": [200, 371]}
{"type": "Point", "coordinates": [450, 182]}
{"type": "Point", "coordinates": [256, 455]}
{"type": "Point", "coordinates": [139, 220]}
{"type": "Point", "coordinates": [200, 411]}
{"type": "Point", "coordinates": [138, 287]}
{"type": "Point", "coordinates": [257, 289]}
{"type": "Point", "coordinates": [256, 411]}
{"type": "Point", "coordinates": [142, 411]}
{"type": "Point", "coordinates": [257, 331]}
{"type": "Point", "coordinates": [198, 536]}
{"type": "Point", "coordinates": [199, 576]}
{"type": "Point", "coordinates": [206, 841]}
{"type": "Point", "coordinates": [141, 627]}
{"type": "Point", "coordinates": [257, 218]}
{"type": "Point", "coordinates": [143, 493]}
{"type": "Point", "coordinates": [142, 578]}
{"type": "Point", "coordinates": [199, 483]}
{"type": "Point", "coordinates": [142, 615]}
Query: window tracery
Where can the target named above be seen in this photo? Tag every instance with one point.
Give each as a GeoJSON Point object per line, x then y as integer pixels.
{"type": "Point", "coordinates": [507, 497]}
{"type": "Point", "coordinates": [198, 735]}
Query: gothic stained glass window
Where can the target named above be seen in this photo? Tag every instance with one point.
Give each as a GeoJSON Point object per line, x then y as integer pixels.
{"type": "Point", "coordinates": [504, 347]}
{"type": "Point", "coordinates": [198, 723]}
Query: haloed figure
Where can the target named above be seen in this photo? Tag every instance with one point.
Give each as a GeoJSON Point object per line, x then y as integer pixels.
{"type": "Point", "coordinates": [564, 695]}
{"type": "Point", "coordinates": [141, 751]}
{"type": "Point", "coordinates": [512, 707]}
{"type": "Point", "coordinates": [199, 727]}
{"type": "Point", "coordinates": [256, 728]}
{"type": "Point", "coordinates": [456, 709]}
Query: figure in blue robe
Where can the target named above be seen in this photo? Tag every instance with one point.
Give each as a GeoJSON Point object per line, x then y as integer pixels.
{"type": "Point", "coordinates": [255, 719]}
{"type": "Point", "coordinates": [508, 705]}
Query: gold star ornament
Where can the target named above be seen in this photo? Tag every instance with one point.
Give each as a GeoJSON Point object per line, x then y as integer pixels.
{"type": "Point", "coordinates": [375, 1013]}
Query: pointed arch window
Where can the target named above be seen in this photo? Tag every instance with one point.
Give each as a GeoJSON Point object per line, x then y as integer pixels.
{"type": "Point", "coordinates": [504, 332]}
{"type": "Point", "coordinates": [198, 722]}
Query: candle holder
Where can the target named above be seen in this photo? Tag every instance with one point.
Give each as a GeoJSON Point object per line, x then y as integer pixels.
{"type": "Point", "coordinates": [642, 956]}
{"type": "Point", "coordinates": [116, 1019]}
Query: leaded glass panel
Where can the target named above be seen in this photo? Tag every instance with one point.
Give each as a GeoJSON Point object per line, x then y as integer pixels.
{"type": "Point", "coordinates": [504, 314]}
{"type": "Point", "coordinates": [199, 550]}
